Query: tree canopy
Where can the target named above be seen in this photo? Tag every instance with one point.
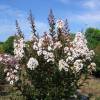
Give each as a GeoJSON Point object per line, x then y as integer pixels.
{"type": "Point", "coordinates": [8, 45]}
{"type": "Point", "coordinates": [93, 37]}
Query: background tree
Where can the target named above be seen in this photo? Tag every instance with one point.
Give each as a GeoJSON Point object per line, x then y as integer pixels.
{"type": "Point", "coordinates": [1, 47]}
{"type": "Point", "coordinates": [8, 45]}
{"type": "Point", "coordinates": [97, 60]}
{"type": "Point", "coordinates": [93, 38]}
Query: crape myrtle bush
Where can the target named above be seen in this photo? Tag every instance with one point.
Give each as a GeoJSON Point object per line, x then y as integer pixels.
{"type": "Point", "coordinates": [49, 67]}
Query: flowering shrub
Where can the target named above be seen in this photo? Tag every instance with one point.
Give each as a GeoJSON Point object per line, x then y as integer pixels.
{"type": "Point", "coordinates": [50, 66]}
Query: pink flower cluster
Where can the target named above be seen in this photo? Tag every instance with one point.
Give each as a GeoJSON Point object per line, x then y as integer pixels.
{"type": "Point", "coordinates": [11, 67]}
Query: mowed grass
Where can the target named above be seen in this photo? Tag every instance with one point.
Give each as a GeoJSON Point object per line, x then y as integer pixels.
{"type": "Point", "coordinates": [92, 88]}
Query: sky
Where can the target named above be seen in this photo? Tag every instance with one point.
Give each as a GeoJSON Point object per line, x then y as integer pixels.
{"type": "Point", "coordinates": [80, 14]}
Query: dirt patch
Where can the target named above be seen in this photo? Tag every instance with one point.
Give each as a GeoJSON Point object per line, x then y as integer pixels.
{"type": "Point", "coordinates": [92, 87]}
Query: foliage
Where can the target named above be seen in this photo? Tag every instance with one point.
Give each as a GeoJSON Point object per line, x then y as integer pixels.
{"type": "Point", "coordinates": [2, 74]}
{"type": "Point", "coordinates": [93, 38]}
{"type": "Point", "coordinates": [97, 60]}
{"type": "Point", "coordinates": [8, 45]}
{"type": "Point", "coordinates": [1, 47]}
{"type": "Point", "coordinates": [2, 78]}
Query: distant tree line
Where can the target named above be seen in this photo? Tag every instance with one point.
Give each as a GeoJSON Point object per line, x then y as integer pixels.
{"type": "Point", "coordinates": [7, 46]}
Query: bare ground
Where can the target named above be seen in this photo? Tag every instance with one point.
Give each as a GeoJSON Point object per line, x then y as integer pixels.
{"type": "Point", "coordinates": [92, 88]}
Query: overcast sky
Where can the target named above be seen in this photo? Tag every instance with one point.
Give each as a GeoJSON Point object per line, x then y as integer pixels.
{"type": "Point", "coordinates": [80, 14]}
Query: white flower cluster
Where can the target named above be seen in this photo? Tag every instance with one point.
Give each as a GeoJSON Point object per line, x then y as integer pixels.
{"type": "Point", "coordinates": [18, 48]}
{"type": "Point", "coordinates": [60, 24]}
{"type": "Point", "coordinates": [80, 47]}
{"type": "Point", "coordinates": [91, 67]}
{"type": "Point", "coordinates": [57, 45]}
{"type": "Point", "coordinates": [49, 56]}
{"type": "Point", "coordinates": [12, 75]}
{"type": "Point", "coordinates": [44, 46]}
{"type": "Point", "coordinates": [11, 67]}
{"type": "Point", "coordinates": [63, 65]}
{"type": "Point", "coordinates": [78, 65]}
{"type": "Point", "coordinates": [78, 53]}
{"type": "Point", "coordinates": [75, 55]}
{"type": "Point", "coordinates": [32, 63]}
